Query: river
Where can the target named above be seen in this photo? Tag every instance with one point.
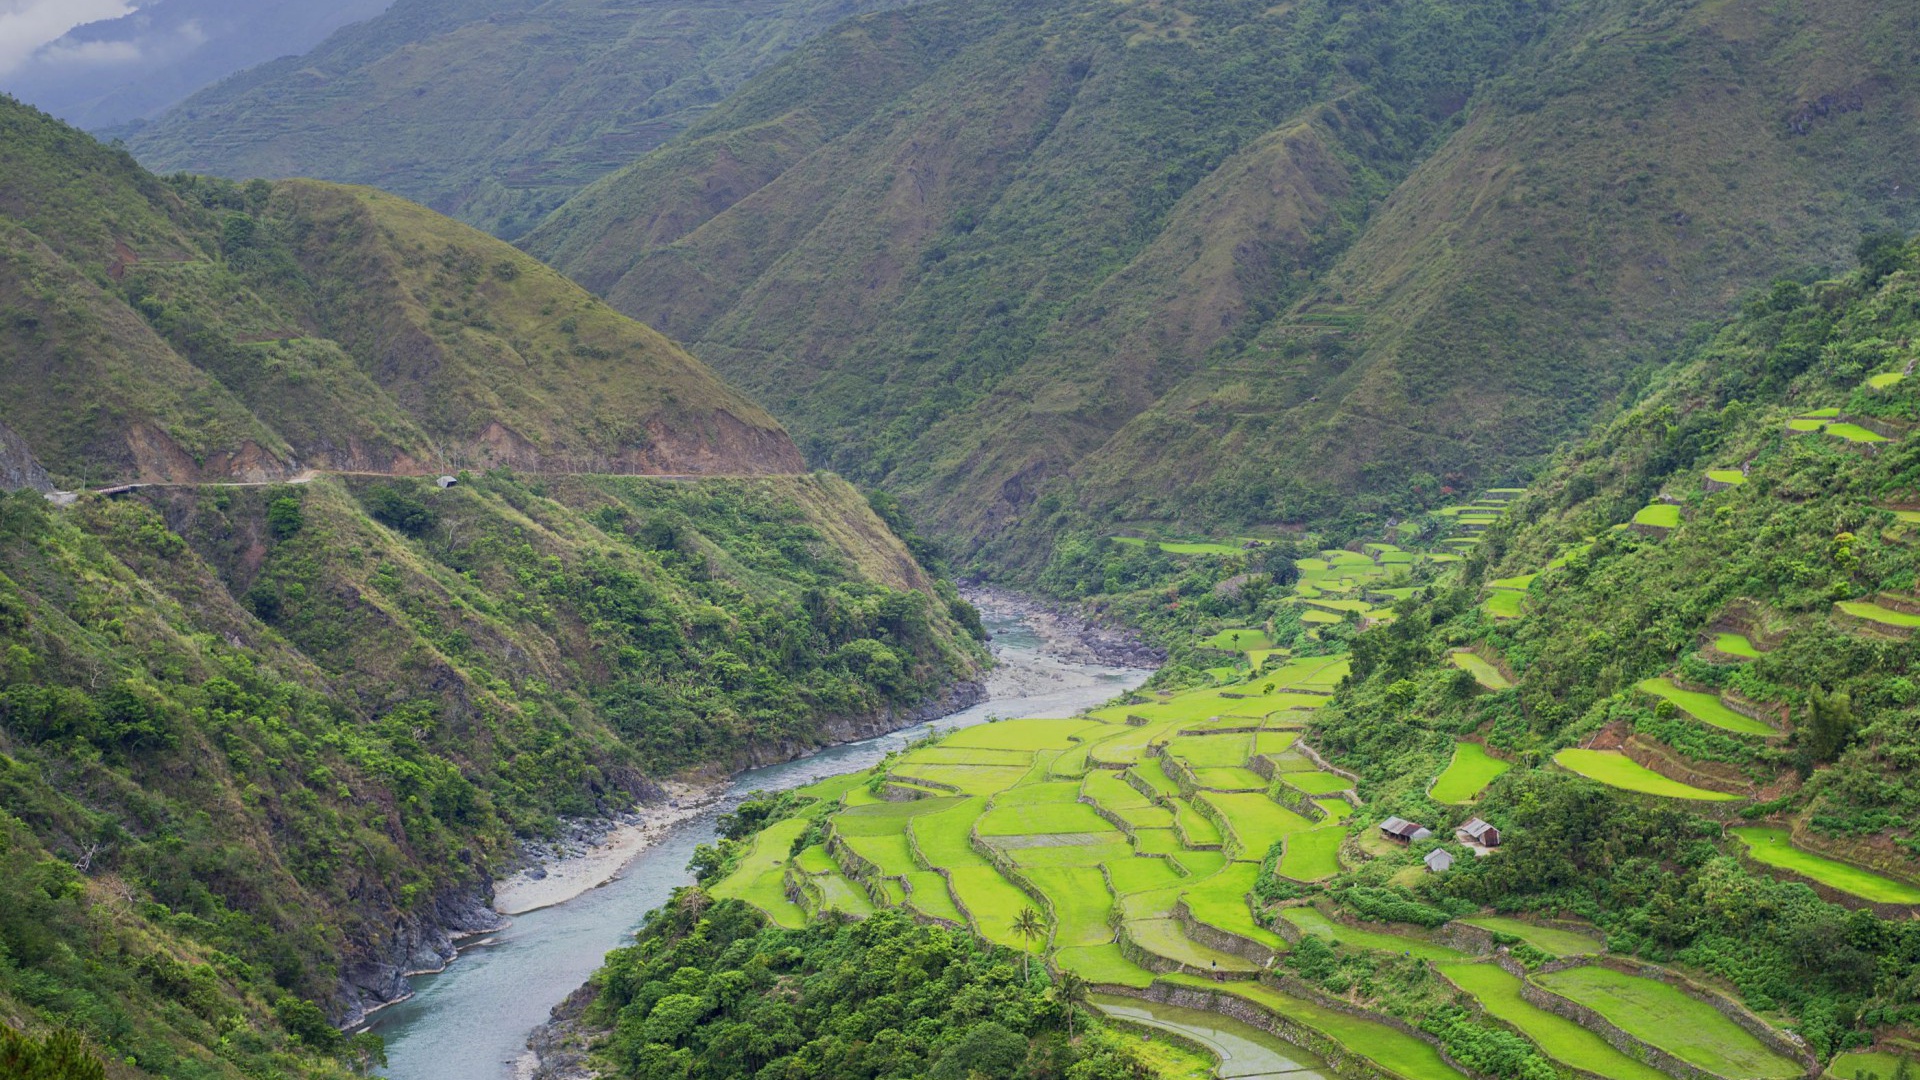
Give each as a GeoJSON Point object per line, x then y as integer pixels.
{"type": "Point", "coordinates": [471, 1021]}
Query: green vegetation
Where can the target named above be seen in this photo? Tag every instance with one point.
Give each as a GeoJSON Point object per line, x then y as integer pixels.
{"type": "Point", "coordinates": [1706, 708]}
{"type": "Point", "coordinates": [1550, 940]}
{"type": "Point", "coordinates": [1560, 1038]}
{"type": "Point", "coordinates": [494, 121]}
{"type": "Point", "coordinates": [1774, 847]}
{"type": "Point", "coordinates": [1664, 1016]}
{"type": "Point", "coordinates": [1313, 855]}
{"type": "Point", "coordinates": [1736, 645]}
{"type": "Point", "coordinates": [1617, 770]}
{"type": "Point", "coordinates": [1467, 775]}
{"type": "Point", "coordinates": [1727, 476]}
{"type": "Point", "coordinates": [1658, 515]}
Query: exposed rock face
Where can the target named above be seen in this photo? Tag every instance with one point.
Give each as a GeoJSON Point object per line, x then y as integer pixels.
{"type": "Point", "coordinates": [421, 943]}
{"type": "Point", "coordinates": [18, 468]}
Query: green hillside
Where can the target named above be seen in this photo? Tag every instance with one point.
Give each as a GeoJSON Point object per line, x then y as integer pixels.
{"type": "Point", "coordinates": [195, 329]}
{"type": "Point", "coordinates": [493, 113]}
{"type": "Point", "coordinates": [1670, 893]}
{"type": "Point", "coordinates": [271, 724]}
{"type": "Point", "coordinates": [1235, 263]}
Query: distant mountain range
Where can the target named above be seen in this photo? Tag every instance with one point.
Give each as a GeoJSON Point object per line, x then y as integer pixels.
{"type": "Point", "coordinates": [492, 111]}
{"type": "Point", "coordinates": [106, 74]}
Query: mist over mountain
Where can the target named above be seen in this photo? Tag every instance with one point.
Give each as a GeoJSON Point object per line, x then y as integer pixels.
{"type": "Point", "coordinates": [140, 58]}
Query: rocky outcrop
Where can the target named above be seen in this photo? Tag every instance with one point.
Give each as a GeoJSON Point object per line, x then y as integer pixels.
{"type": "Point", "coordinates": [18, 467]}
{"type": "Point", "coordinates": [422, 942]}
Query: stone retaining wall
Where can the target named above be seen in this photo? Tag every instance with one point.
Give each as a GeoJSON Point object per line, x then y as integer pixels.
{"type": "Point", "coordinates": [1337, 1056]}
{"type": "Point", "coordinates": [1539, 997]}
{"type": "Point", "coordinates": [1670, 763]}
{"type": "Point", "coordinates": [1322, 764]}
{"type": "Point", "coordinates": [1222, 940]}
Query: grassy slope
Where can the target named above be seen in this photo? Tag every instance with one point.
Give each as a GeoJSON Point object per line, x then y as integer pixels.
{"type": "Point", "coordinates": [1242, 329]}
{"type": "Point", "coordinates": [190, 330]}
{"type": "Point", "coordinates": [573, 89]}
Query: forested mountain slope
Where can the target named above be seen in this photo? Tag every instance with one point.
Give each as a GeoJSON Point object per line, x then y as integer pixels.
{"type": "Point", "coordinates": [492, 112]}
{"type": "Point", "coordinates": [197, 329]}
{"type": "Point", "coordinates": [266, 738]}
{"type": "Point", "coordinates": [1228, 261]}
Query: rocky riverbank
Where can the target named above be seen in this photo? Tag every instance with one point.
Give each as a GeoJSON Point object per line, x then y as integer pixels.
{"type": "Point", "coordinates": [1068, 633]}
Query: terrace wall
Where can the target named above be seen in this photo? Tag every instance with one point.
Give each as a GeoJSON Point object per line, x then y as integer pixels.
{"type": "Point", "coordinates": [1342, 1061]}
{"type": "Point", "coordinates": [1670, 763]}
{"type": "Point", "coordinates": [1831, 895]}
{"type": "Point", "coordinates": [1215, 938]}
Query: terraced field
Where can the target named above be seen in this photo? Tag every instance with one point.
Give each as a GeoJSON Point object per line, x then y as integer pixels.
{"type": "Point", "coordinates": [1774, 847]}
{"type": "Point", "coordinates": [1736, 645]}
{"type": "Point", "coordinates": [1547, 939]}
{"type": "Point", "coordinates": [1467, 775]}
{"type": "Point", "coordinates": [1483, 673]}
{"type": "Point", "coordinates": [1617, 770]}
{"type": "Point", "coordinates": [1560, 1038]}
{"type": "Point", "coordinates": [1663, 1016]}
{"type": "Point", "coordinates": [1706, 708]}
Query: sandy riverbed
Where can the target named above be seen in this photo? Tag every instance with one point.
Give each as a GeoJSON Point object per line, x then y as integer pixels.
{"type": "Point", "coordinates": [558, 880]}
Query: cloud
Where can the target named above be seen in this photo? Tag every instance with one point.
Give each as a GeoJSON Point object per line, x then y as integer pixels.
{"type": "Point", "coordinates": [26, 25]}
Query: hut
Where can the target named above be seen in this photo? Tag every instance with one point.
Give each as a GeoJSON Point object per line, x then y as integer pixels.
{"type": "Point", "coordinates": [1399, 828]}
{"type": "Point", "coordinates": [1438, 861]}
{"type": "Point", "coordinates": [446, 482]}
{"type": "Point", "coordinates": [1478, 832]}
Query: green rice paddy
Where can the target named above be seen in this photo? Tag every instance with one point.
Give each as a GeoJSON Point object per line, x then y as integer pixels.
{"type": "Point", "coordinates": [1727, 476]}
{"type": "Point", "coordinates": [759, 878]}
{"type": "Point", "coordinates": [1312, 855]}
{"type": "Point", "coordinates": [1317, 783]}
{"type": "Point", "coordinates": [1774, 847]}
{"type": "Point", "coordinates": [1392, 1049]}
{"type": "Point", "coordinates": [1664, 1016]}
{"type": "Point", "coordinates": [1659, 515]}
{"type": "Point", "coordinates": [1885, 379]}
{"type": "Point", "coordinates": [1617, 770]}
{"type": "Point", "coordinates": [1467, 775]}
{"type": "Point", "coordinates": [1103, 964]}
{"type": "Point", "coordinates": [1706, 708]}
{"type": "Point", "coordinates": [1483, 673]}
{"type": "Point", "coordinates": [1311, 921]}
{"type": "Point", "coordinates": [1871, 612]}
{"type": "Point", "coordinates": [1736, 645]}
{"type": "Point", "coordinates": [1504, 604]}
{"type": "Point", "coordinates": [1870, 1063]}
{"type": "Point", "coordinates": [1240, 640]}
{"type": "Point", "coordinates": [1855, 433]}
{"type": "Point", "coordinates": [1560, 1038]}
{"type": "Point", "coordinates": [1547, 939]}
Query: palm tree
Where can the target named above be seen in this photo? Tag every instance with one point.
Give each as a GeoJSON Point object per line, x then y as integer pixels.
{"type": "Point", "coordinates": [1028, 925]}
{"type": "Point", "coordinates": [1071, 991]}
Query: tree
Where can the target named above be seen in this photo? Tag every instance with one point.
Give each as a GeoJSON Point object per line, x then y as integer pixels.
{"type": "Point", "coordinates": [284, 517]}
{"type": "Point", "coordinates": [1072, 992]}
{"type": "Point", "coordinates": [1028, 924]}
{"type": "Point", "coordinates": [60, 1056]}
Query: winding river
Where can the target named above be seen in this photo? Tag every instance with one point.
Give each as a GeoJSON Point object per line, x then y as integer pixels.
{"type": "Point", "coordinates": [471, 1021]}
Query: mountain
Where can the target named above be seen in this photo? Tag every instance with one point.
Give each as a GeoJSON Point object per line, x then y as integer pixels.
{"type": "Point", "coordinates": [1040, 264]}
{"type": "Point", "coordinates": [276, 707]}
{"type": "Point", "coordinates": [122, 70]}
{"type": "Point", "coordinates": [203, 330]}
{"type": "Point", "coordinates": [493, 112]}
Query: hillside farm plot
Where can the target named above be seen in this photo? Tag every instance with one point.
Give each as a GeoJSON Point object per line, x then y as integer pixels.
{"type": "Point", "coordinates": [1869, 1063]}
{"type": "Point", "coordinates": [1617, 770]}
{"type": "Point", "coordinates": [1274, 742]}
{"type": "Point", "coordinates": [1155, 774]}
{"type": "Point", "coordinates": [1103, 964]}
{"type": "Point", "coordinates": [1256, 821]}
{"type": "Point", "coordinates": [1504, 604]}
{"type": "Point", "coordinates": [1080, 903]}
{"type": "Point", "coordinates": [1036, 793]}
{"type": "Point", "coordinates": [1201, 751]}
{"type": "Point", "coordinates": [967, 755]}
{"type": "Point", "coordinates": [1561, 1039]}
{"type": "Point", "coordinates": [1467, 775]}
{"type": "Point", "coordinates": [964, 779]}
{"type": "Point", "coordinates": [1774, 847]}
{"type": "Point", "coordinates": [1138, 875]}
{"type": "Point", "coordinates": [1874, 613]}
{"type": "Point", "coordinates": [1659, 516]}
{"type": "Point", "coordinates": [1548, 939]}
{"type": "Point", "coordinates": [1316, 783]}
{"type": "Point", "coordinates": [1220, 901]}
{"type": "Point", "coordinates": [1025, 734]}
{"type": "Point", "coordinates": [887, 818]}
{"type": "Point", "coordinates": [929, 896]}
{"type": "Point", "coordinates": [891, 854]}
{"type": "Point", "coordinates": [1063, 849]}
{"type": "Point", "coordinates": [1881, 382]}
{"type": "Point", "coordinates": [1337, 810]}
{"type": "Point", "coordinates": [943, 838]}
{"type": "Point", "coordinates": [1243, 639]}
{"type": "Point", "coordinates": [1706, 708]}
{"type": "Point", "coordinates": [1193, 828]}
{"type": "Point", "coordinates": [1730, 477]}
{"type": "Point", "coordinates": [1041, 818]}
{"type": "Point", "coordinates": [1311, 921]}
{"type": "Point", "coordinates": [759, 879]}
{"type": "Point", "coordinates": [1736, 645]}
{"type": "Point", "coordinates": [1166, 937]}
{"type": "Point", "coordinates": [1394, 1050]}
{"type": "Point", "coordinates": [1312, 855]}
{"type": "Point", "coordinates": [1229, 778]}
{"type": "Point", "coordinates": [1181, 547]}
{"type": "Point", "coordinates": [1664, 1016]}
{"type": "Point", "coordinates": [994, 902]}
{"type": "Point", "coordinates": [1483, 673]}
{"type": "Point", "coordinates": [1855, 433]}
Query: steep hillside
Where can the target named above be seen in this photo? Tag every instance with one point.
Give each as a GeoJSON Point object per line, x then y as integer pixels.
{"type": "Point", "coordinates": [271, 724]}
{"type": "Point", "coordinates": [1239, 263]}
{"type": "Point", "coordinates": [126, 69]}
{"type": "Point", "coordinates": [194, 329]}
{"type": "Point", "coordinates": [493, 113]}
